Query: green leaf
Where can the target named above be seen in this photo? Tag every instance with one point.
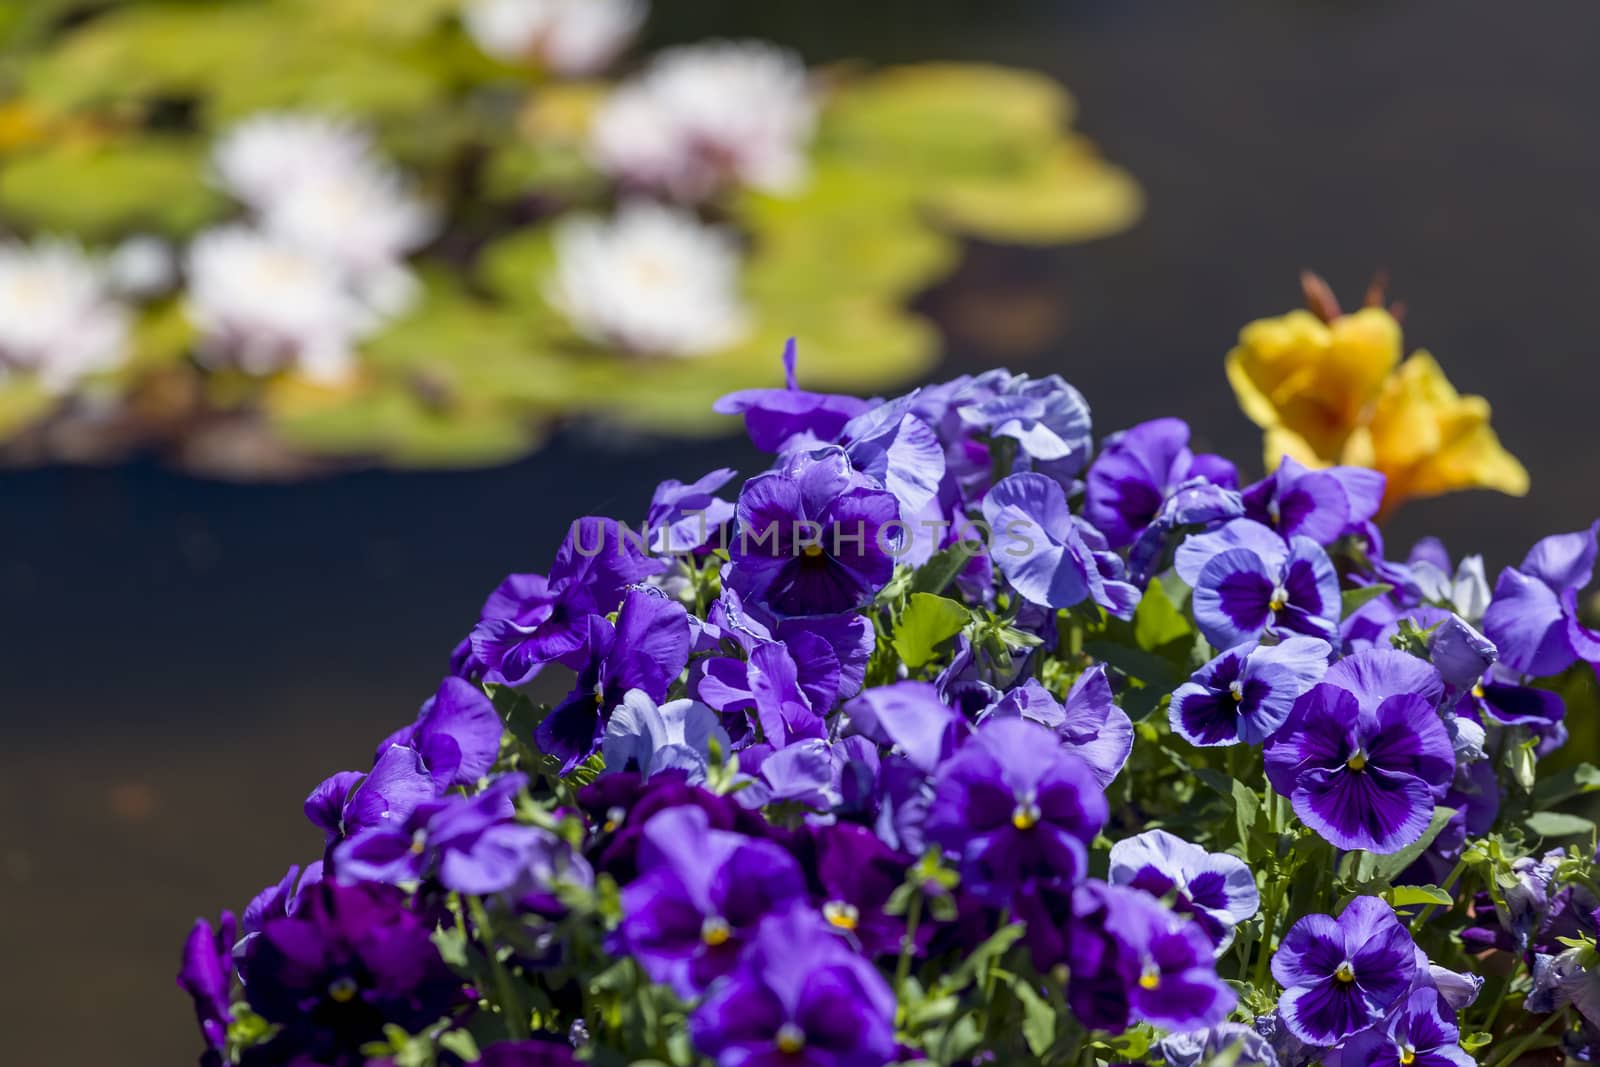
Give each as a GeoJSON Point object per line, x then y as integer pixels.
{"type": "Point", "coordinates": [927, 622]}
{"type": "Point", "coordinates": [1559, 824]}
{"type": "Point", "coordinates": [976, 965]}
{"type": "Point", "coordinates": [1576, 781]}
{"type": "Point", "coordinates": [1246, 808]}
{"type": "Point", "coordinates": [1038, 1018]}
{"type": "Point", "coordinates": [1403, 895]}
{"type": "Point", "coordinates": [1474, 1041]}
{"type": "Point", "coordinates": [104, 191]}
{"type": "Point", "coordinates": [1157, 621]}
{"type": "Point", "coordinates": [1385, 867]}
{"type": "Point", "coordinates": [1351, 600]}
{"type": "Point", "coordinates": [942, 568]}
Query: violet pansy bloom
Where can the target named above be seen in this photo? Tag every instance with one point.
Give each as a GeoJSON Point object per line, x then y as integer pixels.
{"type": "Point", "coordinates": [1137, 470]}
{"type": "Point", "coordinates": [531, 619]}
{"type": "Point", "coordinates": [815, 536]}
{"type": "Point", "coordinates": [1533, 617]}
{"type": "Point", "coordinates": [350, 802]}
{"type": "Point", "coordinates": [1319, 504]}
{"type": "Point", "coordinates": [207, 976]}
{"type": "Point", "coordinates": [909, 716]}
{"type": "Point", "coordinates": [457, 734]}
{"type": "Point", "coordinates": [803, 773]}
{"type": "Point", "coordinates": [1421, 1032]}
{"type": "Point", "coordinates": [800, 997]}
{"type": "Point", "coordinates": [857, 874]}
{"type": "Point", "coordinates": [1233, 1043]}
{"type": "Point", "coordinates": [1342, 975]}
{"type": "Point", "coordinates": [1046, 419]}
{"type": "Point", "coordinates": [775, 417]}
{"type": "Point", "coordinates": [1089, 724]}
{"type": "Point", "coordinates": [1246, 694]}
{"type": "Point", "coordinates": [898, 450]}
{"type": "Point", "coordinates": [1365, 756]}
{"type": "Point", "coordinates": [689, 518]}
{"type": "Point", "coordinates": [785, 687]}
{"type": "Point", "coordinates": [1015, 806]}
{"type": "Point", "coordinates": [646, 650]}
{"type": "Point", "coordinates": [649, 738]}
{"type": "Point", "coordinates": [1247, 582]}
{"type": "Point", "coordinates": [1215, 889]}
{"type": "Point", "coordinates": [1049, 555]}
{"type": "Point", "coordinates": [699, 898]}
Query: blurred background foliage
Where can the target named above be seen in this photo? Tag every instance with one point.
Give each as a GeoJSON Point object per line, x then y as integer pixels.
{"type": "Point", "coordinates": [108, 112]}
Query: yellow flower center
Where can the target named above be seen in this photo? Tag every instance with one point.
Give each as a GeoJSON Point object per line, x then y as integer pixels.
{"type": "Point", "coordinates": [419, 843]}
{"type": "Point", "coordinates": [1407, 1057]}
{"type": "Point", "coordinates": [343, 990]}
{"type": "Point", "coordinates": [813, 550]}
{"type": "Point", "coordinates": [1477, 690]}
{"type": "Point", "coordinates": [1150, 978]}
{"type": "Point", "coordinates": [614, 817]}
{"type": "Point", "coordinates": [715, 931]}
{"type": "Point", "coordinates": [1280, 598]}
{"type": "Point", "coordinates": [844, 915]}
{"type": "Point", "coordinates": [1357, 761]}
{"type": "Point", "coordinates": [1236, 691]}
{"type": "Point", "coordinates": [1345, 973]}
{"type": "Point", "coordinates": [791, 1039]}
{"type": "Point", "coordinates": [1026, 815]}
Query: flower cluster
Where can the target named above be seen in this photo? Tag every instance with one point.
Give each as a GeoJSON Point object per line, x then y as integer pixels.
{"type": "Point", "coordinates": [951, 738]}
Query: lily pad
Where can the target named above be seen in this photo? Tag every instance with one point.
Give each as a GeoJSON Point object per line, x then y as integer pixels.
{"type": "Point", "coordinates": [103, 190]}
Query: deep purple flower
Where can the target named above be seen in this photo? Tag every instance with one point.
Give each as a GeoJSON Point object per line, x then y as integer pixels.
{"type": "Point", "coordinates": [786, 688]}
{"type": "Point", "coordinates": [1048, 554]}
{"type": "Point", "coordinates": [529, 1054]}
{"type": "Point", "coordinates": [1193, 506]}
{"type": "Point", "coordinates": [354, 960]}
{"type": "Point", "coordinates": [909, 716]}
{"type": "Point", "coordinates": [803, 773]}
{"type": "Point", "coordinates": [1365, 756]}
{"type": "Point", "coordinates": [776, 418]}
{"type": "Point", "coordinates": [699, 898]}
{"type": "Point", "coordinates": [646, 650]}
{"type": "Point", "coordinates": [815, 536]}
{"type": "Point", "coordinates": [457, 734]}
{"type": "Point", "coordinates": [688, 518]}
{"type": "Point", "coordinates": [1459, 652]}
{"type": "Point", "coordinates": [1319, 504]}
{"type": "Point", "coordinates": [532, 620]}
{"type": "Point", "coordinates": [1248, 582]}
{"type": "Point", "coordinates": [621, 805]}
{"type": "Point", "coordinates": [1046, 419]}
{"type": "Point", "coordinates": [800, 997]}
{"type": "Point", "coordinates": [350, 802]}
{"type": "Point", "coordinates": [1131, 960]}
{"type": "Point", "coordinates": [856, 874]}
{"type": "Point", "coordinates": [1215, 889]}
{"type": "Point", "coordinates": [1500, 698]}
{"type": "Point", "coordinates": [1342, 975]}
{"type": "Point", "coordinates": [207, 976]}
{"type": "Point", "coordinates": [1137, 470]}
{"type": "Point", "coordinates": [1533, 618]}
{"type": "Point", "coordinates": [1014, 805]}
{"type": "Point", "coordinates": [1089, 724]}
{"type": "Point", "coordinates": [1246, 694]}
{"type": "Point", "coordinates": [649, 738]}
{"type": "Point", "coordinates": [1421, 1032]}
{"type": "Point", "coordinates": [276, 902]}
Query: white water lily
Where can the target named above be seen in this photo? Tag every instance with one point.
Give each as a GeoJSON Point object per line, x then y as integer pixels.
{"type": "Point", "coordinates": [58, 318]}
{"type": "Point", "coordinates": [265, 304]}
{"type": "Point", "coordinates": [706, 116]}
{"type": "Point", "coordinates": [260, 160]}
{"type": "Point", "coordinates": [571, 37]}
{"type": "Point", "coordinates": [652, 280]}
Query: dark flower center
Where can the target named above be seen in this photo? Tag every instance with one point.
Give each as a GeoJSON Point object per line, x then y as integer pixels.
{"type": "Point", "coordinates": [1345, 973]}
{"type": "Point", "coordinates": [343, 990]}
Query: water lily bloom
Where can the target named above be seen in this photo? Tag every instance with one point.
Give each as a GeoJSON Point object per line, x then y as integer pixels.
{"type": "Point", "coordinates": [59, 320]}
{"type": "Point", "coordinates": [701, 119]}
{"type": "Point", "coordinates": [689, 518]}
{"type": "Point", "coordinates": [815, 536]}
{"type": "Point", "coordinates": [1217, 890]}
{"type": "Point", "coordinates": [1319, 504]}
{"type": "Point", "coordinates": [700, 897]}
{"type": "Point", "coordinates": [1365, 756]}
{"type": "Point", "coordinates": [1248, 583]}
{"type": "Point", "coordinates": [1137, 470]}
{"type": "Point", "coordinates": [1245, 694]}
{"type": "Point", "coordinates": [651, 280]}
{"type": "Point", "coordinates": [1533, 616]}
{"type": "Point", "coordinates": [263, 158]}
{"type": "Point", "coordinates": [571, 37]}
{"type": "Point", "coordinates": [774, 418]}
{"type": "Point", "coordinates": [649, 738]}
{"type": "Point", "coordinates": [1045, 420]}
{"type": "Point", "coordinates": [532, 620]}
{"type": "Point", "coordinates": [799, 997]}
{"type": "Point", "coordinates": [1133, 960]}
{"type": "Point", "coordinates": [1342, 975]}
{"type": "Point", "coordinates": [646, 649]}
{"type": "Point", "coordinates": [1422, 1032]}
{"type": "Point", "coordinates": [207, 976]}
{"type": "Point", "coordinates": [354, 960]}
{"type": "Point", "coordinates": [1014, 805]}
{"type": "Point", "coordinates": [1048, 554]}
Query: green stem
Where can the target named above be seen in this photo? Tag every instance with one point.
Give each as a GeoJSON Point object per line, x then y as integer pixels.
{"type": "Point", "coordinates": [511, 1009]}
{"type": "Point", "coordinates": [1427, 912]}
{"type": "Point", "coordinates": [908, 946]}
{"type": "Point", "coordinates": [1527, 1042]}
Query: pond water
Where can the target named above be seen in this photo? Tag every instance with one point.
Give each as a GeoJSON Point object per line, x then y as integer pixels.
{"type": "Point", "coordinates": [183, 660]}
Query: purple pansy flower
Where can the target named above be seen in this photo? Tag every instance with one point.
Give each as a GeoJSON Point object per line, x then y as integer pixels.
{"type": "Point", "coordinates": [1233, 1043]}
{"type": "Point", "coordinates": [649, 738]}
{"type": "Point", "coordinates": [700, 895]}
{"type": "Point", "coordinates": [1015, 806]}
{"type": "Point", "coordinates": [774, 418]}
{"type": "Point", "coordinates": [856, 874]}
{"type": "Point", "coordinates": [276, 902]}
{"type": "Point", "coordinates": [350, 802]}
{"type": "Point", "coordinates": [1342, 975]}
{"type": "Point", "coordinates": [1319, 504]}
{"type": "Point", "coordinates": [1533, 617]}
{"type": "Point", "coordinates": [1246, 694]}
{"type": "Point", "coordinates": [1247, 582]}
{"type": "Point", "coordinates": [689, 518]}
{"type": "Point", "coordinates": [1045, 418]}
{"type": "Point", "coordinates": [621, 805]}
{"type": "Point", "coordinates": [207, 976]}
{"type": "Point", "coordinates": [911, 717]}
{"type": "Point", "coordinates": [785, 687]}
{"type": "Point", "coordinates": [898, 450]}
{"type": "Point", "coordinates": [1421, 1032]}
{"type": "Point", "coordinates": [815, 536]}
{"type": "Point", "coordinates": [1049, 555]}
{"type": "Point", "coordinates": [531, 620]}
{"type": "Point", "coordinates": [1131, 960]}
{"type": "Point", "coordinates": [1365, 755]}
{"type": "Point", "coordinates": [1089, 724]}
{"type": "Point", "coordinates": [457, 734]}
{"type": "Point", "coordinates": [1137, 470]}
{"type": "Point", "coordinates": [646, 650]}
{"type": "Point", "coordinates": [353, 961]}
{"type": "Point", "coordinates": [804, 773]}
{"type": "Point", "coordinates": [529, 1054]}
{"type": "Point", "coordinates": [1216, 889]}
{"type": "Point", "coordinates": [800, 997]}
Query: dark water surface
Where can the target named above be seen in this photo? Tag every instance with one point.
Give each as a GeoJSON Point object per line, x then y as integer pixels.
{"type": "Point", "coordinates": [181, 661]}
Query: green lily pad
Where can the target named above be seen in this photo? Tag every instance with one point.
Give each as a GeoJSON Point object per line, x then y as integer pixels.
{"type": "Point", "coordinates": [22, 403]}
{"type": "Point", "coordinates": [1072, 196]}
{"type": "Point", "coordinates": [101, 191]}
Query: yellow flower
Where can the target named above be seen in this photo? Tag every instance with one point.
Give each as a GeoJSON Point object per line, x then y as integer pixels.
{"type": "Point", "coordinates": [1332, 390]}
